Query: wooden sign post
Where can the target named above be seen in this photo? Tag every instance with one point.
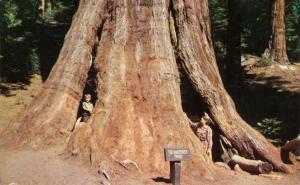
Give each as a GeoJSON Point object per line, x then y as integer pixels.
{"type": "Point", "coordinates": [175, 156]}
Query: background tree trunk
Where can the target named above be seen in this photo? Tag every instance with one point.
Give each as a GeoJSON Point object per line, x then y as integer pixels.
{"type": "Point", "coordinates": [277, 44]}
{"type": "Point", "coordinates": [42, 5]}
{"type": "Point", "coordinates": [233, 46]}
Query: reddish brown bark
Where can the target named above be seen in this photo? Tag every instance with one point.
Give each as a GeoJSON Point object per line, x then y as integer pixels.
{"type": "Point", "coordinates": [277, 44]}
{"type": "Point", "coordinates": [139, 111]}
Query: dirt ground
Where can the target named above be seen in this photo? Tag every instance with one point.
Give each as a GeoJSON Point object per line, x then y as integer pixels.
{"type": "Point", "coordinates": [45, 167]}
{"type": "Point", "coordinates": [50, 168]}
{"type": "Point", "coordinates": [282, 77]}
{"type": "Point", "coordinates": [15, 97]}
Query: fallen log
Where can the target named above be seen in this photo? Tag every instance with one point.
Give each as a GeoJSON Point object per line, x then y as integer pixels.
{"type": "Point", "coordinates": [252, 166]}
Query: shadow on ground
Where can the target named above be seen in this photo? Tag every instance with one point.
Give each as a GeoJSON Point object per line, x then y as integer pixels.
{"type": "Point", "coordinates": [161, 179]}
{"type": "Point", "coordinates": [271, 104]}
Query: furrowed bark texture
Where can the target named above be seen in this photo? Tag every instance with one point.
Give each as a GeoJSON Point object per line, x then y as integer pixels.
{"type": "Point", "coordinates": [54, 109]}
{"type": "Point", "coordinates": [277, 43]}
{"type": "Point", "coordinates": [139, 111]}
{"type": "Point", "coordinates": [197, 57]}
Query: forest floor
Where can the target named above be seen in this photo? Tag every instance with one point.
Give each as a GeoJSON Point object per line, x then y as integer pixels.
{"type": "Point", "coordinates": [29, 167]}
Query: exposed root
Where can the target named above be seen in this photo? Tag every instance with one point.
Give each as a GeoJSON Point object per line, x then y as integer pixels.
{"type": "Point", "coordinates": [126, 164]}
{"type": "Point", "coordinates": [104, 173]}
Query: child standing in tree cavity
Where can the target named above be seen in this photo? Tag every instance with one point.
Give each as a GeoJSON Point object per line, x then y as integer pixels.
{"type": "Point", "coordinates": [204, 133]}
{"type": "Point", "coordinates": [87, 107]}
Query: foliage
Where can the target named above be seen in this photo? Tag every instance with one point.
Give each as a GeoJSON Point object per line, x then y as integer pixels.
{"type": "Point", "coordinates": [23, 39]}
{"type": "Point", "coordinates": [271, 128]}
{"type": "Point", "coordinates": [10, 13]}
{"type": "Point", "coordinates": [219, 21]}
{"type": "Point", "coordinates": [14, 13]}
{"type": "Point", "coordinates": [256, 26]}
{"type": "Point", "coordinates": [256, 16]}
{"type": "Point", "coordinates": [293, 29]}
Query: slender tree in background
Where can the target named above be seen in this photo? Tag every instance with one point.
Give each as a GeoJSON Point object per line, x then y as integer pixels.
{"type": "Point", "coordinates": [233, 46]}
{"type": "Point", "coordinates": [139, 110]}
{"type": "Point", "coordinates": [276, 51]}
{"type": "Point", "coordinates": [42, 6]}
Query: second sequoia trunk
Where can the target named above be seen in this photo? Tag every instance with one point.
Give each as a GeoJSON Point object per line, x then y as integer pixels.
{"type": "Point", "coordinates": [197, 57]}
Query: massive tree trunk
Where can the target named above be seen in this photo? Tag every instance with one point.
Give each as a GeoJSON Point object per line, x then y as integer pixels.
{"type": "Point", "coordinates": [277, 44]}
{"type": "Point", "coordinates": [233, 45]}
{"type": "Point", "coordinates": [139, 111]}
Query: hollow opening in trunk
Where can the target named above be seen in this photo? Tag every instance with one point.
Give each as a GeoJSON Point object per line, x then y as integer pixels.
{"type": "Point", "coordinates": [192, 104]}
{"type": "Point", "coordinates": [91, 83]}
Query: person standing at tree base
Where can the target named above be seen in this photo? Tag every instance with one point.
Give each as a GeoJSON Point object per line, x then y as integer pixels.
{"type": "Point", "coordinates": [87, 107]}
{"type": "Point", "coordinates": [204, 133]}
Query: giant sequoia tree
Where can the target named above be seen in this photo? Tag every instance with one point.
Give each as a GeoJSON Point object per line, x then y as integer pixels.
{"type": "Point", "coordinates": [276, 51]}
{"type": "Point", "coordinates": [139, 110]}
